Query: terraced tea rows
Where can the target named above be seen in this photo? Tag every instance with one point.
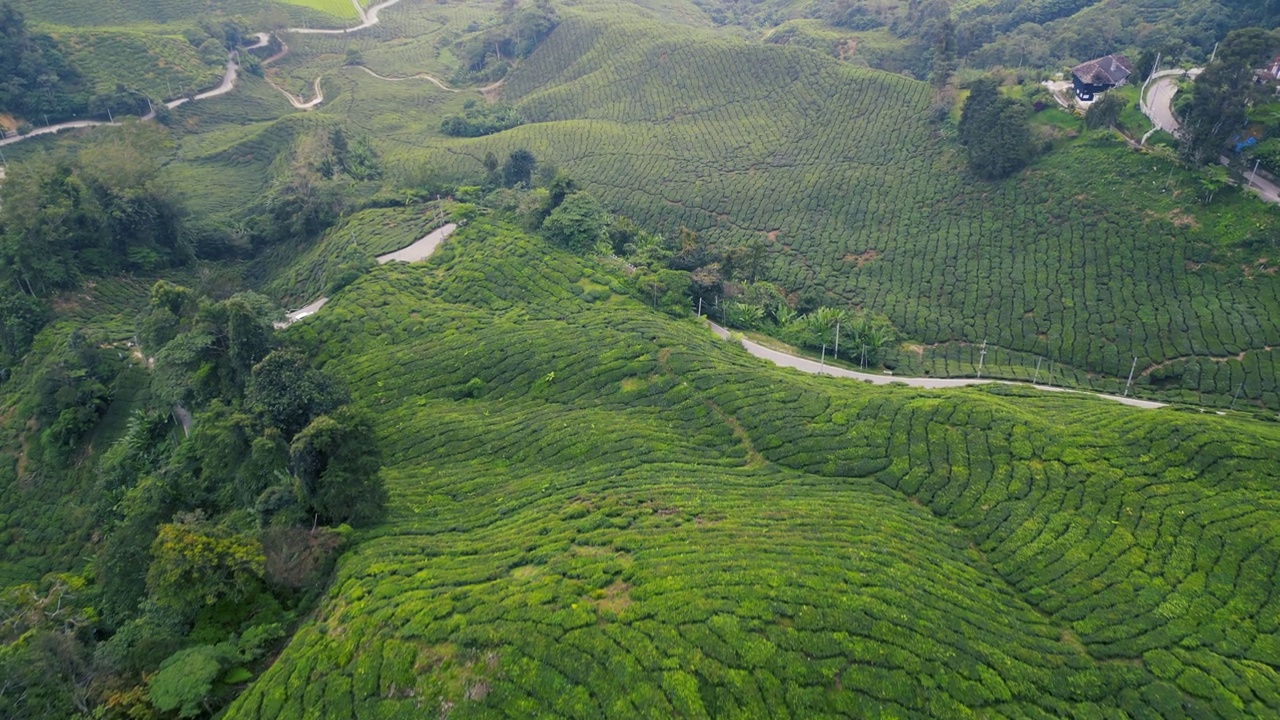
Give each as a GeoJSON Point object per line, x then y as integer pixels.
{"type": "Point", "coordinates": [1082, 260]}
{"type": "Point", "coordinates": [597, 511]}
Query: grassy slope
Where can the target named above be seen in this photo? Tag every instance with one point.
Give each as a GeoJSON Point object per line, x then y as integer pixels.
{"type": "Point", "coordinates": [1086, 259]}
{"type": "Point", "coordinates": [634, 519]}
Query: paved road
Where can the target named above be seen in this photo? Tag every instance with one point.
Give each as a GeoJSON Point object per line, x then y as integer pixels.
{"type": "Point", "coordinates": [815, 368]}
{"type": "Point", "coordinates": [1157, 103]}
{"type": "Point", "coordinates": [419, 250]}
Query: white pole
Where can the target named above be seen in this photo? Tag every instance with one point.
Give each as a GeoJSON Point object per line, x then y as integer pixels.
{"type": "Point", "coordinates": [1037, 375]}
{"type": "Point", "coordinates": [823, 366]}
{"type": "Point", "coordinates": [1215, 53]}
{"type": "Point", "coordinates": [1237, 397]}
{"type": "Point", "coordinates": [836, 353]}
{"type": "Point", "coordinates": [1129, 382]}
{"type": "Point", "coordinates": [982, 357]}
{"type": "Point", "coordinates": [699, 306]}
{"type": "Point", "coordinates": [1254, 177]}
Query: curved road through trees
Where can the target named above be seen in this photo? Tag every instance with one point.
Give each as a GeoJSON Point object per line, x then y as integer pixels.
{"type": "Point", "coordinates": [368, 18]}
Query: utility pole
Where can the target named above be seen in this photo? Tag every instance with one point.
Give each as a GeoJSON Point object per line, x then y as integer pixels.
{"type": "Point", "coordinates": [1254, 176]}
{"type": "Point", "coordinates": [823, 365]}
{"type": "Point", "coordinates": [1215, 53]}
{"type": "Point", "coordinates": [699, 307]}
{"type": "Point", "coordinates": [836, 353]}
{"type": "Point", "coordinates": [982, 357]}
{"type": "Point", "coordinates": [1237, 397]}
{"type": "Point", "coordinates": [46, 119]}
{"type": "Point", "coordinates": [1128, 383]}
{"type": "Point", "coordinates": [1037, 375]}
{"type": "Point", "coordinates": [111, 120]}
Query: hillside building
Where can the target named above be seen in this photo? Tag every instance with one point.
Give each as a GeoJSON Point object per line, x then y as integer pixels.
{"type": "Point", "coordinates": [1095, 76]}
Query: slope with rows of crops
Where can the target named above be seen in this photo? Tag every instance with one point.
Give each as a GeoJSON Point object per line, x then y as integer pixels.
{"type": "Point", "coordinates": [1092, 257]}
{"type": "Point", "coordinates": [599, 511]}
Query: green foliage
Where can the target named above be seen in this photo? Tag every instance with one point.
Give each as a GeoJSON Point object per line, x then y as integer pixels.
{"type": "Point", "coordinates": [288, 393]}
{"type": "Point", "coordinates": [186, 679]}
{"type": "Point", "coordinates": [479, 119]}
{"type": "Point", "coordinates": [488, 54]}
{"type": "Point", "coordinates": [196, 564]}
{"type": "Point", "coordinates": [335, 460]}
{"type": "Point", "coordinates": [518, 168]}
{"type": "Point", "coordinates": [995, 131]}
{"type": "Point", "coordinates": [577, 224]}
{"type": "Point", "coordinates": [1105, 112]}
{"type": "Point", "coordinates": [211, 347]}
{"type": "Point", "coordinates": [1222, 93]}
{"type": "Point", "coordinates": [102, 213]}
{"type": "Point", "coordinates": [638, 518]}
{"type": "Point", "coordinates": [38, 80]}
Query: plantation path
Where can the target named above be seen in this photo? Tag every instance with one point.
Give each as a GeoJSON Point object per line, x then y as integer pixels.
{"type": "Point", "coordinates": [420, 76]}
{"type": "Point", "coordinates": [806, 365]}
{"type": "Point", "coordinates": [368, 18]}
{"type": "Point", "coordinates": [422, 249]}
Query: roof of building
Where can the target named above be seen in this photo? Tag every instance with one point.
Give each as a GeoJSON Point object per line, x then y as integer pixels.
{"type": "Point", "coordinates": [1109, 70]}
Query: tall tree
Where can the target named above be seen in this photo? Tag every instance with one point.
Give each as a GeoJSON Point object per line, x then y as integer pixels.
{"type": "Point", "coordinates": [518, 168]}
{"type": "Point", "coordinates": [995, 131]}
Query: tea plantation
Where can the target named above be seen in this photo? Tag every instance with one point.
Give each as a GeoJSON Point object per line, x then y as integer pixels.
{"type": "Point", "coordinates": [1092, 257]}
{"type": "Point", "coordinates": [600, 511]}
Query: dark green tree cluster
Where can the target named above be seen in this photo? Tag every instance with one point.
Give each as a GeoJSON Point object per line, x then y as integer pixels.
{"type": "Point", "coordinates": [1105, 112]}
{"type": "Point", "coordinates": [35, 80]}
{"type": "Point", "coordinates": [479, 119]}
{"type": "Point", "coordinates": [487, 54]}
{"type": "Point", "coordinates": [314, 188]}
{"type": "Point", "coordinates": [219, 510]}
{"type": "Point", "coordinates": [101, 212]}
{"type": "Point", "coordinates": [1223, 92]}
{"type": "Point", "coordinates": [995, 131]}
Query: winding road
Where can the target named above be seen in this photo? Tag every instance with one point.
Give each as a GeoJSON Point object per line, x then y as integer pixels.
{"type": "Point", "coordinates": [368, 18]}
{"type": "Point", "coordinates": [427, 245]}
{"type": "Point", "coordinates": [1157, 105]}
{"type": "Point", "coordinates": [806, 365]}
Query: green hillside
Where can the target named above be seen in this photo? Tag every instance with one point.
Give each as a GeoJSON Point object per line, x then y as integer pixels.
{"type": "Point", "coordinates": [1092, 257]}
{"type": "Point", "coordinates": [597, 511]}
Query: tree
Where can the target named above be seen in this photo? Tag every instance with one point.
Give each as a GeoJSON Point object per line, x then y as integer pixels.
{"type": "Point", "coordinates": [518, 168]}
{"type": "Point", "coordinates": [995, 130]}
{"type": "Point", "coordinates": [21, 317]}
{"type": "Point", "coordinates": [287, 392]}
{"type": "Point", "coordinates": [1105, 112]}
{"type": "Point", "coordinates": [336, 460]}
{"type": "Point", "coordinates": [1222, 93]}
{"type": "Point", "coordinates": [577, 224]}
{"type": "Point", "coordinates": [185, 680]}
{"type": "Point", "coordinates": [195, 564]}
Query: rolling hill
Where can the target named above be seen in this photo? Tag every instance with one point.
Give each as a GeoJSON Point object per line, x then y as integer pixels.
{"type": "Point", "coordinates": [1092, 257]}
{"type": "Point", "coordinates": [598, 511]}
